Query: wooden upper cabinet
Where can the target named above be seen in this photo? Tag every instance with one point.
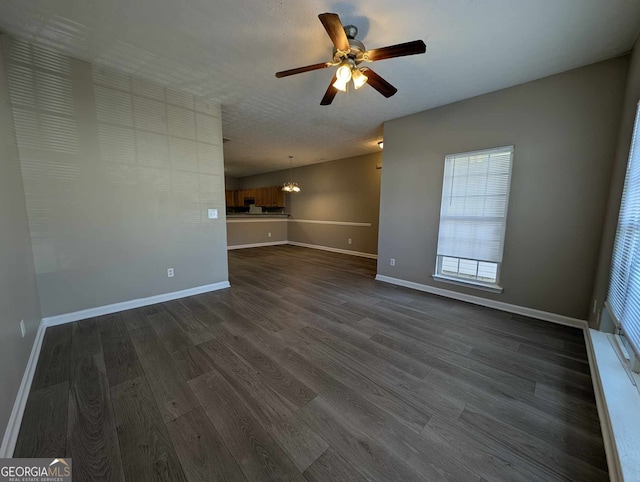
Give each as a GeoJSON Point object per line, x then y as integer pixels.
{"type": "Point", "coordinates": [264, 196]}
{"type": "Point", "coordinates": [268, 196]}
{"type": "Point", "coordinates": [279, 196]}
{"type": "Point", "coordinates": [230, 198]}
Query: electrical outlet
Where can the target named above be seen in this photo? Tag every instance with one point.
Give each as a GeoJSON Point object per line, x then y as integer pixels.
{"type": "Point", "coordinates": [392, 261]}
{"type": "Point", "coordinates": [170, 273]}
{"type": "Point", "coordinates": [23, 330]}
{"type": "Point", "coordinates": [268, 235]}
{"type": "Point", "coordinates": [349, 240]}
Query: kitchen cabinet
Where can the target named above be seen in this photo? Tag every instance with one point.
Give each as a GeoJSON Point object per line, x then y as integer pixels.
{"type": "Point", "coordinates": [272, 196]}
{"type": "Point", "coordinates": [278, 196]}
{"type": "Point", "coordinates": [230, 198]}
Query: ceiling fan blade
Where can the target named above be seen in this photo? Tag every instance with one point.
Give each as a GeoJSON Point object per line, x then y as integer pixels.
{"type": "Point", "coordinates": [330, 93]}
{"type": "Point", "coordinates": [400, 50]}
{"type": "Point", "coordinates": [378, 83]}
{"type": "Point", "coordinates": [334, 28]}
{"type": "Point", "coordinates": [299, 70]}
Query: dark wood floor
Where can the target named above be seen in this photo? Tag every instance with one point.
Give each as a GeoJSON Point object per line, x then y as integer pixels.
{"type": "Point", "coordinates": [308, 369]}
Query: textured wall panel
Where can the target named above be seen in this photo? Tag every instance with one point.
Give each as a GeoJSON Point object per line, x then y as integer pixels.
{"type": "Point", "coordinates": [111, 78]}
{"type": "Point", "coordinates": [113, 186]}
{"type": "Point", "coordinates": [18, 288]}
{"type": "Point", "coordinates": [183, 154]}
{"type": "Point", "coordinates": [147, 89]}
{"type": "Point", "coordinates": [54, 93]}
{"type": "Point", "coordinates": [150, 115]}
{"type": "Point", "coordinates": [181, 99]}
{"type": "Point", "coordinates": [207, 156]}
{"type": "Point", "coordinates": [182, 123]}
{"type": "Point", "coordinates": [20, 78]}
{"type": "Point", "coordinates": [152, 149]}
{"type": "Point", "coordinates": [116, 144]}
{"type": "Point", "coordinates": [113, 106]}
{"type": "Point", "coordinates": [206, 125]}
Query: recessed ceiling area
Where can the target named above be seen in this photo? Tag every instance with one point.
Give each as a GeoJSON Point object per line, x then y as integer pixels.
{"type": "Point", "coordinates": [230, 51]}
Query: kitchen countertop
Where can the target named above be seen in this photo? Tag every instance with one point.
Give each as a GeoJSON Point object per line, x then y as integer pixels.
{"type": "Point", "coordinates": [257, 216]}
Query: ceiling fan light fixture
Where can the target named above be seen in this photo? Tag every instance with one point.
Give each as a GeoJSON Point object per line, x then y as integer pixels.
{"type": "Point", "coordinates": [359, 79]}
{"type": "Point", "coordinates": [343, 74]}
{"type": "Point", "coordinates": [340, 85]}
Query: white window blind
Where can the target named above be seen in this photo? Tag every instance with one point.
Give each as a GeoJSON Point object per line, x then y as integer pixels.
{"type": "Point", "coordinates": [473, 212]}
{"type": "Point", "coordinates": [624, 284]}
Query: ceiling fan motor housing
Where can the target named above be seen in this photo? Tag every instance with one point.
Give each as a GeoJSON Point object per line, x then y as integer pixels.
{"type": "Point", "coordinates": [351, 31]}
{"type": "Point", "coordinates": [357, 48]}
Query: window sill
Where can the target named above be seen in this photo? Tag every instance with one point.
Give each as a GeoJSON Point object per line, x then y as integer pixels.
{"type": "Point", "coordinates": [468, 283]}
{"type": "Point", "coordinates": [618, 407]}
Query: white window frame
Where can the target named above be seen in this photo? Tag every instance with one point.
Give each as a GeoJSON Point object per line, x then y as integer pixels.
{"type": "Point", "coordinates": [622, 299]}
{"type": "Point", "coordinates": [494, 286]}
{"type": "Point", "coordinates": [485, 285]}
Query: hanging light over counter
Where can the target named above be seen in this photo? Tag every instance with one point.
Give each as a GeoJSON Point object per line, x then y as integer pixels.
{"type": "Point", "coordinates": [290, 186]}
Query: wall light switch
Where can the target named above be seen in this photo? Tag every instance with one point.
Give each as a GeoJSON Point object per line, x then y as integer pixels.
{"type": "Point", "coordinates": [213, 214]}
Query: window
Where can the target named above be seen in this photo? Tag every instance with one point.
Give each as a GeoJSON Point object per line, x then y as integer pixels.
{"type": "Point", "coordinates": [473, 215]}
{"type": "Point", "coordinates": [624, 283]}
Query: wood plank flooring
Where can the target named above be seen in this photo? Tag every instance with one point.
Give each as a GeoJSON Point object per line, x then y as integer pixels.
{"type": "Point", "coordinates": [308, 369]}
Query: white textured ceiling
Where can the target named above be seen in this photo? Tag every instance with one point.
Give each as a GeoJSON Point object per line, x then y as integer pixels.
{"type": "Point", "coordinates": [230, 50]}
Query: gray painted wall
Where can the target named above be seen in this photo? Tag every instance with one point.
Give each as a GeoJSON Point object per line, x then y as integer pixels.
{"type": "Point", "coordinates": [630, 106]}
{"type": "Point", "coordinates": [346, 190]}
{"type": "Point", "coordinates": [230, 183]}
{"type": "Point", "coordinates": [253, 232]}
{"type": "Point", "coordinates": [564, 129]}
{"type": "Point", "coordinates": [18, 290]}
{"type": "Point", "coordinates": [118, 175]}
{"type": "Point", "coordinates": [263, 180]}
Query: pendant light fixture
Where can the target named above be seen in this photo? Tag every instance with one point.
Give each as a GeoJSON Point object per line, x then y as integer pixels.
{"type": "Point", "coordinates": [290, 186]}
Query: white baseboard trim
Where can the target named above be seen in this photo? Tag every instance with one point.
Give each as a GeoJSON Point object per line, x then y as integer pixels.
{"type": "Point", "coordinates": [15, 419]}
{"type": "Point", "coordinates": [334, 250]}
{"type": "Point", "coordinates": [498, 305]}
{"type": "Point", "coordinates": [256, 245]}
{"type": "Point", "coordinates": [128, 305]}
{"type": "Point", "coordinates": [610, 448]}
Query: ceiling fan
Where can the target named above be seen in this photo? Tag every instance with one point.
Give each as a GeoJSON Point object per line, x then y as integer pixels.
{"type": "Point", "coordinates": [348, 54]}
